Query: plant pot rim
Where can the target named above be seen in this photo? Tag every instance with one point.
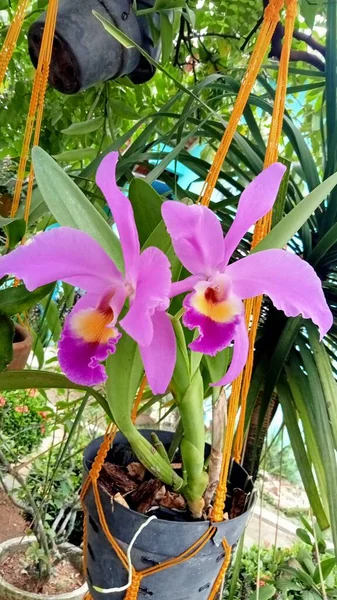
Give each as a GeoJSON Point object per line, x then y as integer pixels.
{"type": "Point", "coordinates": [166, 522]}
{"type": "Point", "coordinates": [26, 340]}
{"type": "Point", "coordinates": [12, 592]}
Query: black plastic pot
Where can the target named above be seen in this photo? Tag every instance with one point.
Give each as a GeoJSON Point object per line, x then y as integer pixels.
{"type": "Point", "coordinates": [161, 540]}
{"type": "Point", "coordinates": [84, 54]}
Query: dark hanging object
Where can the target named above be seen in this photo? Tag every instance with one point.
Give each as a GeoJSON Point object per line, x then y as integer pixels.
{"type": "Point", "coordinates": [84, 54]}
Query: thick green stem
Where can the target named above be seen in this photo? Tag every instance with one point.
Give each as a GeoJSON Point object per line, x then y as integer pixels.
{"type": "Point", "coordinates": [192, 446]}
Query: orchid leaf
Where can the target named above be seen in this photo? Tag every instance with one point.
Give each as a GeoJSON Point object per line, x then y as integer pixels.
{"type": "Point", "coordinates": [44, 380]}
{"type": "Point", "coordinates": [327, 379]}
{"type": "Point", "coordinates": [15, 232]}
{"type": "Point", "coordinates": [6, 341]}
{"type": "Point", "coordinates": [146, 204]}
{"type": "Point", "coordinates": [294, 432]}
{"type": "Point", "coordinates": [76, 155]}
{"type": "Point", "coordinates": [295, 219]}
{"type": "Point", "coordinates": [84, 127]}
{"type": "Point", "coordinates": [317, 404]}
{"type": "Point", "coordinates": [70, 206]}
{"type": "Point", "coordinates": [161, 239]}
{"type": "Point", "coordinates": [125, 370]}
{"type": "Point", "coordinates": [15, 300]}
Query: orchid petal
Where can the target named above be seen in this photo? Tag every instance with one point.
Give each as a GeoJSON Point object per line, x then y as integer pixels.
{"type": "Point", "coordinates": [289, 281]}
{"type": "Point", "coordinates": [159, 356]}
{"type": "Point", "coordinates": [239, 358]}
{"type": "Point", "coordinates": [196, 236]}
{"type": "Point", "coordinates": [214, 336]}
{"type": "Point", "coordinates": [151, 293]}
{"type": "Point", "coordinates": [256, 201]}
{"type": "Point", "coordinates": [78, 359]}
{"type": "Point", "coordinates": [62, 254]}
{"type": "Point", "coordinates": [122, 212]}
{"type": "Point", "coordinates": [186, 285]}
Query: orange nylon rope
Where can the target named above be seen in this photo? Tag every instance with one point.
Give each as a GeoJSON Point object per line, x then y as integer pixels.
{"type": "Point", "coordinates": [12, 38]}
{"type": "Point", "coordinates": [138, 399]}
{"type": "Point", "coordinates": [270, 20]}
{"type": "Point", "coordinates": [264, 226]}
{"type": "Point", "coordinates": [253, 306]}
{"type": "Point", "coordinates": [223, 570]}
{"type": "Point", "coordinates": [35, 112]}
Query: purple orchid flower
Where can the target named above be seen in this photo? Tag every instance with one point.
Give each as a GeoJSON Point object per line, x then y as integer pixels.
{"type": "Point", "coordinates": [90, 332]}
{"type": "Point", "coordinates": [215, 304]}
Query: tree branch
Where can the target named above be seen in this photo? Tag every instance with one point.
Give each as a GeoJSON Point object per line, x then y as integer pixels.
{"type": "Point", "coordinates": [295, 55]}
{"type": "Point", "coordinates": [308, 39]}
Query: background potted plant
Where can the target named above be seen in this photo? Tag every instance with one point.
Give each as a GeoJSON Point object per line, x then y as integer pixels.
{"type": "Point", "coordinates": [42, 563]}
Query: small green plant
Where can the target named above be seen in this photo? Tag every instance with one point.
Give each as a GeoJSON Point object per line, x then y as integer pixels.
{"type": "Point", "coordinates": [312, 573]}
{"type": "Point", "coordinates": [23, 422]}
{"type": "Point", "coordinates": [55, 486]}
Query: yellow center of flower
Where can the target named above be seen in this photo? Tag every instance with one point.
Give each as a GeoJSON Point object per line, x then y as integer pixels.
{"type": "Point", "coordinates": [209, 304]}
{"type": "Point", "coordinates": [93, 325]}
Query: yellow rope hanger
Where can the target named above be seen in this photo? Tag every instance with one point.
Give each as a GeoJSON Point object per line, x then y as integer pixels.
{"type": "Point", "coordinates": [253, 306]}
{"type": "Point", "coordinates": [35, 112]}
{"type": "Point", "coordinates": [12, 38]}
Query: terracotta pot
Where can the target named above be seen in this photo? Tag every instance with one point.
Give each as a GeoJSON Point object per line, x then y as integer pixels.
{"type": "Point", "coordinates": [5, 205]}
{"type": "Point", "coordinates": [22, 346]}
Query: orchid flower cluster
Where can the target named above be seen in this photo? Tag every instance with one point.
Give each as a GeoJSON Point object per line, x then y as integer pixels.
{"type": "Point", "coordinates": [136, 302]}
{"type": "Point", "coordinates": [213, 306]}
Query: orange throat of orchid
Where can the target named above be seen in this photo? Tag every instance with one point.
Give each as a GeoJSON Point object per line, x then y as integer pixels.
{"type": "Point", "coordinates": [93, 325]}
{"type": "Point", "coordinates": [212, 302]}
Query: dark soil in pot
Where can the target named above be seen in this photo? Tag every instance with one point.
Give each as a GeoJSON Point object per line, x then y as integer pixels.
{"type": "Point", "coordinates": [166, 537]}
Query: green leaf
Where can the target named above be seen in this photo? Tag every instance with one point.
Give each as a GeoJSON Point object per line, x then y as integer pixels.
{"type": "Point", "coordinates": [325, 373]}
{"type": "Point", "coordinates": [84, 127]}
{"type": "Point", "coordinates": [16, 300]}
{"type": "Point", "coordinates": [318, 405]}
{"type": "Point", "coordinates": [327, 566]}
{"type": "Point", "coordinates": [278, 207]}
{"type": "Point", "coordinates": [6, 341]}
{"type": "Point", "coordinates": [285, 585]}
{"type": "Point", "coordinates": [15, 232]}
{"type": "Point", "coordinates": [38, 349]}
{"type": "Point", "coordinates": [295, 219]}
{"type": "Point", "coordinates": [69, 205]}
{"type": "Point", "coordinates": [114, 31]}
{"type": "Point", "coordinates": [301, 456]}
{"type": "Point", "coordinates": [76, 155]}
{"type": "Point", "coordinates": [217, 365]}
{"type": "Point", "coordinates": [265, 592]}
{"type": "Point", "coordinates": [167, 34]}
{"type": "Point", "coordinates": [125, 370]}
{"type": "Point", "coordinates": [161, 239]}
{"type": "Point", "coordinates": [304, 536]}
{"type": "Point", "coordinates": [121, 109]}
{"type": "Point", "coordinates": [146, 204]}
{"type": "Point", "coordinates": [52, 318]}
{"type": "Point", "coordinates": [169, 4]}
{"type": "Point", "coordinates": [44, 380]}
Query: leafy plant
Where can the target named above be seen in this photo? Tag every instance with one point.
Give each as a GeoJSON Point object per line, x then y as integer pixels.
{"type": "Point", "coordinates": [23, 422]}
